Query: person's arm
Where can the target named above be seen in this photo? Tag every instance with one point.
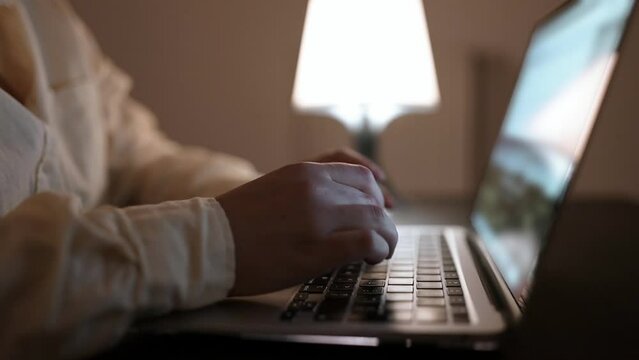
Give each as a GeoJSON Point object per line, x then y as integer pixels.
{"type": "Point", "coordinates": [71, 282]}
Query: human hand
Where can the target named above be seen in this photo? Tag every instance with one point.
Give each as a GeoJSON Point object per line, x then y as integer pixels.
{"type": "Point", "coordinates": [302, 220]}
{"type": "Point", "coordinates": [349, 156]}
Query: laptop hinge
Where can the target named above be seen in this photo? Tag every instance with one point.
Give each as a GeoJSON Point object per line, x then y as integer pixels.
{"type": "Point", "coordinates": [490, 282]}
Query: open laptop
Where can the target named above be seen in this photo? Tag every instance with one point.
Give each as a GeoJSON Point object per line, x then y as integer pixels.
{"type": "Point", "coordinates": [453, 285]}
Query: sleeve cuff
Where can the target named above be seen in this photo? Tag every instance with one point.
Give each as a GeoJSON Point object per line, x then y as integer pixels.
{"type": "Point", "coordinates": [224, 236]}
{"type": "Point", "coordinates": [186, 253]}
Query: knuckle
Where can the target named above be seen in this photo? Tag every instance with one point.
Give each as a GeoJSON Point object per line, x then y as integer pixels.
{"type": "Point", "coordinates": [375, 212]}
{"type": "Point", "coordinates": [366, 173]}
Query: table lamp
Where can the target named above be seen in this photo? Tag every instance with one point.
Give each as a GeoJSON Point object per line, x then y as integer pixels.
{"type": "Point", "coordinates": [365, 62]}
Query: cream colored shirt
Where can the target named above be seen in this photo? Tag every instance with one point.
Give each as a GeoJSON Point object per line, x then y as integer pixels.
{"type": "Point", "coordinates": [76, 265]}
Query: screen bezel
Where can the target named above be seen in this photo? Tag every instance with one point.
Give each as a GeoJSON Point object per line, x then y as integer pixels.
{"type": "Point", "coordinates": [561, 199]}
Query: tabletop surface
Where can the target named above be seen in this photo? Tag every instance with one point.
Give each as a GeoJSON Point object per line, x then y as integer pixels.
{"type": "Point", "coordinates": [584, 302]}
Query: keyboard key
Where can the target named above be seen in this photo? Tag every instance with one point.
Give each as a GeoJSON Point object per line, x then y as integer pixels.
{"type": "Point", "coordinates": [451, 275]}
{"type": "Point", "coordinates": [309, 306]}
{"type": "Point", "coordinates": [431, 302]}
{"type": "Point", "coordinates": [458, 310]}
{"type": "Point", "coordinates": [314, 289]}
{"type": "Point", "coordinates": [372, 283]}
{"type": "Point", "coordinates": [450, 283]}
{"type": "Point", "coordinates": [399, 305]}
{"type": "Point", "coordinates": [429, 278]}
{"type": "Point", "coordinates": [331, 309]}
{"type": "Point", "coordinates": [456, 300]}
{"type": "Point", "coordinates": [401, 274]}
{"type": "Point", "coordinates": [450, 268]}
{"type": "Point", "coordinates": [338, 295]}
{"type": "Point", "coordinates": [402, 262]}
{"type": "Point", "coordinates": [454, 291]}
{"type": "Point", "coordinates": [368, 299]}
{"type": "Point", "coordinates": [371, 291]}
{"type": "Point", "coordinates": [301, 296]}
{"type": "Point", "coordinates": [400, 289]}
{"type": "Point", "coordinates": [402, 268]}
{"type": "Point", "coordinates": [428, 252]}
{"type": "Point", "coordinates": [427, 271]}
{"type": "Point", "coordinates": [429, 285]}
{"type": "Point", "coordinates": [366, 312]}
{"type": "Point", "coordinates": [430, 293]}
{"type": "Point", "coordinates": [400, 316]}
{"type": "Point", "coordinates": [400, 281]}
{"type": "Point", "coordinates": [374, 276]}
{"type": "Point", "coordinates": [431, 314]}
{"type": "Point", "coordinates": [342, 287]}
{"type": "Point", "coordinates": [429, 259]}
{"type": "Point", "coordinates": [345, 280]}
{"type": "Point", "coordinates": [399, 297]}
{"type": "Point", "coordinates": [428, 265]}
{"type": "Point", "coordinates": [377, 269]}
{"type": "Point", "coordinates": [322, 280]}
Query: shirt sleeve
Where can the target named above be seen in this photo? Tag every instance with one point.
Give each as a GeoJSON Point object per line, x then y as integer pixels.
{"type": "Point", "coordinates": [147, 167]}
{"type": "Point", "coordinates": [71, 282]}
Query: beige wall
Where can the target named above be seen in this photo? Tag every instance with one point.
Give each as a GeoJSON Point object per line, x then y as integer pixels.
{"type": "Point", "coordinates": [219, 73]}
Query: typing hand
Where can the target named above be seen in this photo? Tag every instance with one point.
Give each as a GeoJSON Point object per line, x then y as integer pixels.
{"type": "Point", "coordinates": [302, 220]}
{"type": "Point", "coordinates": [349, 156]}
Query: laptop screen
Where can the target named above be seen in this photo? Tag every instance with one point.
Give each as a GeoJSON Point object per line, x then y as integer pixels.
{"type": "Point", "coordinates": [563, 79]}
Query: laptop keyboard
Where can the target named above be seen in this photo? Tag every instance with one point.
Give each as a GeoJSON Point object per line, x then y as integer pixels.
{"type": "Point", "coordinates": [419, 284]}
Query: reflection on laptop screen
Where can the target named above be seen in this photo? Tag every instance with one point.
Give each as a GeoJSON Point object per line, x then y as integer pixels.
{"type": "Point", "coordinates": [563, 79]}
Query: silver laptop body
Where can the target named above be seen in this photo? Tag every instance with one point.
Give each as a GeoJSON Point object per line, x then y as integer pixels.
{"type": "Point", "coordinates": [451, 285]}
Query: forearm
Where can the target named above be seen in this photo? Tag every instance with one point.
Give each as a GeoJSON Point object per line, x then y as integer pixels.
{"type": "Point", "coordinates": [72, 283]}
{"type": "Point", "coordinates": [189, 172]}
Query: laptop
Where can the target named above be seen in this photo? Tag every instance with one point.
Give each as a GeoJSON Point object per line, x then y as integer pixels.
{"type": "Point", "coordinates": [453, 285]}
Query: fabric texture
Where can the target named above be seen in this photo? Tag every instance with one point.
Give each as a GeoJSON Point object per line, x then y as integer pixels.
{"type": "Point", "coordinates": [103, 219]}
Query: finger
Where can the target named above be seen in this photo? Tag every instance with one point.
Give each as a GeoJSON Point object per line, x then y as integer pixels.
{"type": "Point", "coordinates": [380, 250]}
{"type": "Point", "coordinates": [367, 218]}
{"type": "Point", "coordinates": [355, 245]}
{"type": "Point", "coordinates": [356, 176]}
{"type": "Point", "coordinates": [353, 157]}
{"type": "Point", "coordinates": [389, 199]}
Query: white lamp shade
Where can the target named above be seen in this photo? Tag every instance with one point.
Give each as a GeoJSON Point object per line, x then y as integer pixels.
{"type": "Point", "coordinates": [365, 59]}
